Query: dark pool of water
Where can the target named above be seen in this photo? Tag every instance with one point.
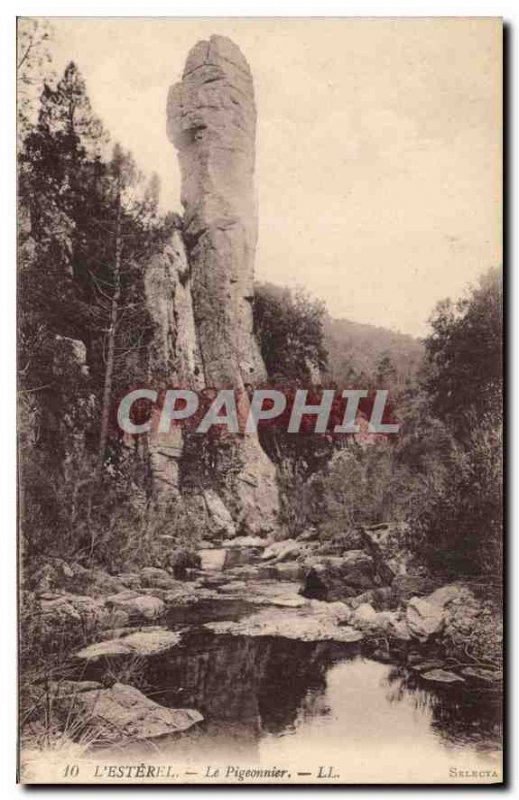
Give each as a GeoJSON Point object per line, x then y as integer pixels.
{"type": "Point", "coordinates": [304, 705]}
{"type": "Point", "coordinates": [225, 608]}
{"type": "Point", "coordinates": [269, 700]}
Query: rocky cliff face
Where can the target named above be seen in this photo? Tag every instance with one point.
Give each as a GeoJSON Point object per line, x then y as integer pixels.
{"type": "Point", "coordinates": [173, 355]}
{"type": "Point", "coordinates": [204, 312]}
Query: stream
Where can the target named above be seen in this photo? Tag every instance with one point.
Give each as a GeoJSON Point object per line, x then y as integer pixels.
{"type": "Point", "coordinates": [308, 706]}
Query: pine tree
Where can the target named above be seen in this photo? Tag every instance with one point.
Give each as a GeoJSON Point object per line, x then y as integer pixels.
{"type": "Point", "coordinates": [92, 223]}
{"type": "Point", "coordinates": [33, 60]}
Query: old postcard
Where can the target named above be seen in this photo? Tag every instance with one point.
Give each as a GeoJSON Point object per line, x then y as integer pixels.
{"type": "Point", "coordinates": [260, 327]}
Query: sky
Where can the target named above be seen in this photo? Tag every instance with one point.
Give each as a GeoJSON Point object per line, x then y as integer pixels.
{"type": "Point", "coordinates": [378, 163]}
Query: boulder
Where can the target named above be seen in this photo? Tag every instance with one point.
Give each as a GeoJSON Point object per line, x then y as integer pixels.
{"type": "Point", "coordinates": [367, 619]}
{"type": "Point", "coordinates": [282, 551]}
{"type": "Point", "coordinates": [268, 572]}
{"type": "Point", "coordinates": [427, 666]}
{"type": "Point", "coordinates": [153, 577]}
{"type": "Point", "coordinates": [424, 619]}
{"type": "Point", "coordinates": [380, 599]}
{"type": "Point", "coordinates": [398, 629]}
{"type": "Point", "coordinates": [46, 579]}
{"type": "Point", "coordinates": [130, 580]}
{"type": "Point", "coordinates": [213, 559]}
{"type": "Point", "coordinates": [445, 595]}
{"type": "Point", "coordinates": [162, 584]}
{"type": "Point", "coordinates": [181, 561]}
{"type": "Point", "coordinates": [384, 656]}
{"type": "Point", "coordinates": [308, 624]}
{"type": "Point", "coordinates": [355, 562]}
{"type": "Point", "coordinates": [386, 621]}
{"type": "Point", "coordinates": [463, 612]}
{"type": "Point", "coordinates": [123, 713]}
{"type": "Point", "coordinates": [365, 616]}
{"type": "Point", "coordinates": [339, 577]}
{"type": "Point", "coordinates": [290, 571]}
{"type": "Point", "coordinates": [60, 608]}
{"type": "Point", "coordinates": [280, 600]}
{"type": "Point", "coordinates": [244, 541]}
{"type": "Point", "coordinates": [53, 574]}
{"type": "Point", "coordinates": [68, 688]}
{"type": "Point", "coordinates": [180, 597]}
{"type": "Point", "coordinates": [154, 572]}
{"type": "Point", "coordinates": [441, 676]}
{"type": "Point", "coordinates": [104, 583]}
{"type": "Point", "coordinates": [329, 548]}
{"type": "Point", "coordinates": [336, 611]}
{"type": "Point", "coordinates": [482, 675]}
{"type": "Point", "coordinates": [239, 556]}
{"type": "Point", "coordinates": [309, 535]}
{"type": "Point", "coordinates": [274, 593]}
{"type": "Point", "coordinates": [107, 649]}
{"type": "Point", "coordinates": [390, 541]}
{"type": "Point", "coordinates": [143, 643]}
{"type": "Point", "coordinates": [219, 514]}
{"type": "Point", "coordinates": [215, 580]}
{"type": "Point", "coordinates": [353, 539]}
{"type": "Point", "coordinates": [250, 573]}
{"type": "Point", "coordinates": [137, 605]}
{"type": "Point", "coordinates": [406, 586]}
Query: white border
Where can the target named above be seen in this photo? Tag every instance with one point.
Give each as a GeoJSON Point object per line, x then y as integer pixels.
{"type": "Point", "coordinates": [191, 8]}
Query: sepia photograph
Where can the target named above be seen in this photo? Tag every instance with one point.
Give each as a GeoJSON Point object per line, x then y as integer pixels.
{"type": "Point", "coordinates": [260, 400]}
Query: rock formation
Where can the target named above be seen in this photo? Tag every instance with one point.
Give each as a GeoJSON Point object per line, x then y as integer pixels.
{"type": "Point", "coordinates": [120, 713]}
{"type": "Point", "coordinates": [204, 281]}
{"type": "Point", "coordinates": [212, 123]}
{"type": "Point", "coordinates": [173, 354]}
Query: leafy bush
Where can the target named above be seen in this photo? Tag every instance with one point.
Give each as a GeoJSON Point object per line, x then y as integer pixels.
{"type": "Point", "coordinates": [459, 521]}
{"type": "Point", "coordinates": [289, 328]}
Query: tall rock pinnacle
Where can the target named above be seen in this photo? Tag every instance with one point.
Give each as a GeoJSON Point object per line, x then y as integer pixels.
{"type": "Point", "coordinates": [212, 123]}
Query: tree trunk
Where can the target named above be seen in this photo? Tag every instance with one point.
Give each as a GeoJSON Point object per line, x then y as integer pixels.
{"type": "Point", "coordinates": [109, 368]}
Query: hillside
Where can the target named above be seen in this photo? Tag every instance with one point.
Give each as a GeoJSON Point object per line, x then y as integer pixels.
{"type": "Point", "coordinates": [356, 349]}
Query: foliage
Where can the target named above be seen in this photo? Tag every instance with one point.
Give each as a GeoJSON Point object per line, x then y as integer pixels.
{"type": "Point", "coordinates": [50, 717]}
{"type": "Point", "coordinates": [459, 519]}
{"type": "Point", "coordinates": [89, 225]}
{"type": "Point", "coordinates": [464, 356]}
{"type": "Point", "coordinates": [44, 649]}
{"type": "Point", "coordinates": [481, 641]}
{"type": "Point", "coordinates": [289, 328]}
{"type": "Point", "coordinates": [33, 61]}
{"type": "Point", "coordinates": [360, 485]}
{"type": "Point", "coordinates": [459, 522]}
{"type": "Point", "coordinates": [443, 474]}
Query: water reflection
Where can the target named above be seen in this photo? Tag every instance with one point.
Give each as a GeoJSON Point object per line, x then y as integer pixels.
{"type": "Point", "coordinates": [273, 700]}
{"type": "Point", "coordinates": [460, 714]}
{"type": "Point", "coordinates": [273, 686]}
{"type": "Point", "coordinates": [262, 681]}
